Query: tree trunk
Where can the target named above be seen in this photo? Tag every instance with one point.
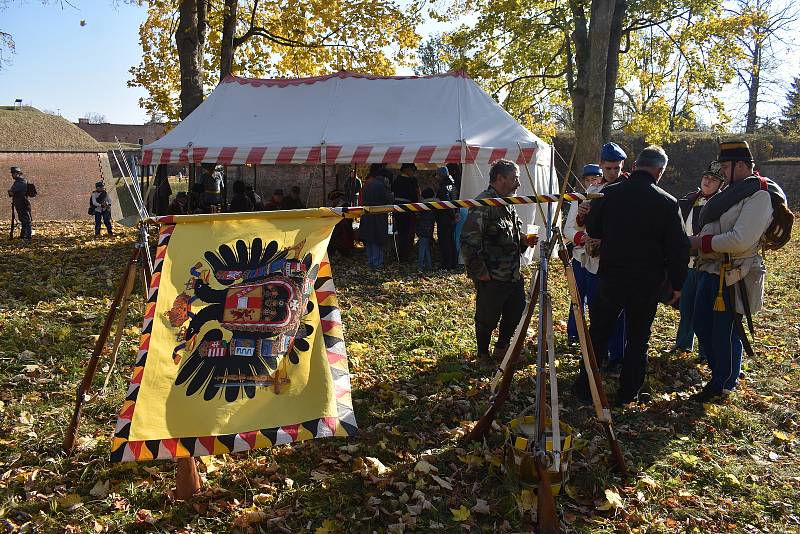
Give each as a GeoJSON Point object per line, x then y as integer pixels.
{"type": "Point", "coordinates": [755, 79]}
{"type": "Point", "coordinates": [190, 38]}
{"type": "Point", "coordinates": [612, 69]}
{"type": "Point", "coordinates": [578, 91]}
{"type": "Point", "coordinates": [227, 46]}
{"type": "Point", "coordinates": [588, 133]}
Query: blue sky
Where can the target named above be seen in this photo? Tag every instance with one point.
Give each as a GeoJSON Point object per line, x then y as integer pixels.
{"type": "Point", "coordinates": [62, 66]}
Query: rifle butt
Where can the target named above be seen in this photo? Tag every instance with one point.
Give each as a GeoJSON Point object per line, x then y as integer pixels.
{"type": "Point", "coordinates": [616, 452]}
{"type": "Point", "coordinates": [483, 425]}
{"type": "Point", "coordinates": [72, 430]}
{"type": "Point", "coordinates": [547, 522]}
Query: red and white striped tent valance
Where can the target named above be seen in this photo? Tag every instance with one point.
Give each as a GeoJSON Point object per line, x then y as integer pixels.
{"type": "Point", "coordinates": [347, 118]}
{"type": "Point", "coordinates": [330, 154]}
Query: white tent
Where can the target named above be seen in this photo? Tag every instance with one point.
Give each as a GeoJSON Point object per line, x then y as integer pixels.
{"type": "Point", "coordinates": [348, 118]}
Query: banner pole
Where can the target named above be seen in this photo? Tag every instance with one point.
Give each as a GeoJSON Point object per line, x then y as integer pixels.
{"type": "Point", "coordinates": [187, 479]}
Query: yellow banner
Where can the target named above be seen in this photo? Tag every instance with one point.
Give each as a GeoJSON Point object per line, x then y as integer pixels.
{"type": "Point", "coordinates": [242, 342]}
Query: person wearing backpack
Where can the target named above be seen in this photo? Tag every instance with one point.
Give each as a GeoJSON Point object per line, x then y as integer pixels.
{"type": "Point", "coordinates": [19, 201]}
{"type": "Point", "coordinates": [748, 214]}
{"type": "Point", "coordinates": [100, 206]}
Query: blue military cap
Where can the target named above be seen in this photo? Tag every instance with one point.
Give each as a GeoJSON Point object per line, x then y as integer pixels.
{"type": "Point", "coordinates": [612, 152]}
{"type": "Point", "coordinates": [592, 169]}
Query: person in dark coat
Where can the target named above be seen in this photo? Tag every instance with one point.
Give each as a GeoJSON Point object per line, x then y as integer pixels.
{"type": "Point", "coordinates": [293, 202]}
{"type": "Point", "coordinates": [20, 203]}
{"type": "Point", "coordinates": [426, 220]}
{"type": "Point", "coordinates": [640, 235]}
{"type": "Point", "coordinates": [255, 198]}
{"type": "Point", "coordinates": [276, 201]}
{"type": "Point", "coordinates": [446, 220]}
{"type": "Point", "coordinates": [240, 200]}
{"type": "Point", "coordinates": [101, 205]}
{"type": "Point", "coordinates": [162, 190]}
{"type": "Point", "coordinates": [374, 229]}
{"type": "Point", "coordinates": [406, 189]}
{"type": "Point", "coordinates": [179, 205]}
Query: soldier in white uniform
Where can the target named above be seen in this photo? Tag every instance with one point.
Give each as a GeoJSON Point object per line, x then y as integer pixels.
{"type": "Point", "coordinates": [730, 268]}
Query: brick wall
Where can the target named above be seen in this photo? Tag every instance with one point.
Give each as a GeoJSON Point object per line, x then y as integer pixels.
{"type": "Point", "coordinates": [64, 181]}
{"type": "Point", "coordinates": [126, 133]}
{"type": "Point", "coordinates": [786, 172]}
{"type": "Point", "coordinates": [690, 155]}
{"type": "Point", "coordinates": [271, 177]}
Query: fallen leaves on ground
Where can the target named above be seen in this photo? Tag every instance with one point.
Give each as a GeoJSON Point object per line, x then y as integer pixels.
{"type": "Point", "coordinates": [417, 392]}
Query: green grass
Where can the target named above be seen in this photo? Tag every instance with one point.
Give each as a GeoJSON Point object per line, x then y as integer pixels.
{"type": "Point", "coordinates": [724, 468]}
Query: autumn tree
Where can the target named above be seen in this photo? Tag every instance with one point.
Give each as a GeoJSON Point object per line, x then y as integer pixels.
{"type": "Point", "coordinates": [6, 47]}
{"type": "Point", "coordinates": [6, 39]}
{"type": "Point", "coordinates": [790, 123]}
{"type": "Point", "coordinates": [667, 71]}
{"type": "Point", "coordinates": [190, 38]}
{"type": "Point", "coordinates": [264, 38]}
{"type": "Point", "coordinates": [94, 117]}
{"type": "Point", "coordinates": [770, 23]}
{"type": "Point", "coordinates": [437, 55]}
{"type": "Point", "coordinates": [564, 60]}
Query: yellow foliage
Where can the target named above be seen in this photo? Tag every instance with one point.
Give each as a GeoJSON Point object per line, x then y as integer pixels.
{"type": "Point", "coordinates": [369, 36]}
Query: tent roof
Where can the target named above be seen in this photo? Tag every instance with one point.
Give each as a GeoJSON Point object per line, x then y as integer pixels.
{"type": "Point", "coordinates": [346, 118]}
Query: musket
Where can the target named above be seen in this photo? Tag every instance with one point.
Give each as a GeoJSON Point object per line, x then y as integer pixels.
{"type": "Point", "coordinates": [13, 215]}
{"type": "Point", "coordinates": [599, 399]}
{"type": "Point", "coordinates": [123, 290]}
{"type": "Point", "coordinates": [507, 368]}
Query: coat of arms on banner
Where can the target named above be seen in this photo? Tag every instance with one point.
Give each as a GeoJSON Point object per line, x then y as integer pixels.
{"type": "Point", "coordinates": [259, 317]}
{"type": "Point", "coordinates": [242, 342]}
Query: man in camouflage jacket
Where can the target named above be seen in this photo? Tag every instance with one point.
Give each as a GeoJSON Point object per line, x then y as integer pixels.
{"type": "Point", "coordinates": [491, 242]}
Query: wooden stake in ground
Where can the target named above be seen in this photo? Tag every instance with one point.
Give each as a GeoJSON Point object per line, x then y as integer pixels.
{"type": "Point", "coordinates": [187, 479]}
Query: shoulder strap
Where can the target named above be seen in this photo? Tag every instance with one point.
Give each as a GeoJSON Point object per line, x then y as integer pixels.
{"type": "Point", "coordinates": [725, 199]}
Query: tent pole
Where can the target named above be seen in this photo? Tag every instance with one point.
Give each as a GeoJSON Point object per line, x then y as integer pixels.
{"type": "Point", "coordinates": [324, 193]}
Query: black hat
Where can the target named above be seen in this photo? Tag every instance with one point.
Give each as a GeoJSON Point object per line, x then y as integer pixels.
{"type": "Point", "coordinates": [99, 184]}
{"type": "Point", "coordinates": [375, 169]}
{"type": "Point", "coordinates": [16, 169]}
{"type": "Point", "coordinates": [735, 151]}
{"type": "Point", "coordinates": [715, 171]}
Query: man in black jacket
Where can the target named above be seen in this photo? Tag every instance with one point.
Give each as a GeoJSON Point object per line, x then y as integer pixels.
{"type": "Point", "coordinates": [20, 203]}
{"type": "Point", "coordinates": [406, 189]}
{"type": "Point", "coordinates": [641, 242]}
